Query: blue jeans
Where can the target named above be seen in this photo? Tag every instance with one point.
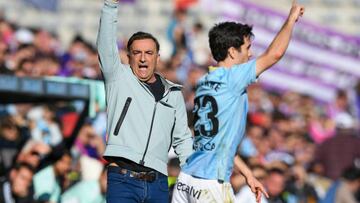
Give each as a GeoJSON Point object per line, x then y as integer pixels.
{"type": "Point", "coordinates": [122, 188]}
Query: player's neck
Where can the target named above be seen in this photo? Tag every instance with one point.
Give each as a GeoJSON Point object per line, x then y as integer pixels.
{"type": "Point", "coordinates": [225, 64]}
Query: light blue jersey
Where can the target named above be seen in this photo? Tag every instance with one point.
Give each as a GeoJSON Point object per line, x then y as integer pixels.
{"type": "Point", "coordinates": [220, 111]}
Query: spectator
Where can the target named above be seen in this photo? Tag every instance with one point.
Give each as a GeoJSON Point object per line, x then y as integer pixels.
{"type": "Point", "coordinates": [11, 141]}
{"type": "Point", "coordinates": [176, 30]}
{"type": "Point", "coordinates": [6, 31]}
{"type": "Point", "coordinates": [48, 181]}
{"type": "Point", "coordinates": [317, 179]}
{"type": "Point", "coordinates": [32, 152]}
{"type": "Point", "coordinates": [48, 66]}
{"type": "Point", "coordinates": [344, 190]}
{"type": "Point", "coordinates": [198, 45]}
{"type": "Point", "coordinates": [350, 184]}
{"type": "Point", "coordinates": [47, 127]}
{"type": "Point", "coordinates": [321, 127]}
{"type": "Point", "coordinates": [298, 186]}
{"type": "Point", "coordinates": [245, 195]}
{"type": "Point", "coordinates": [275, 185]}
{"type": "Point", "coordinates": [251, 141]}
{"type": "Point", "coordinates": [89, 143]}
{"type": "Point", "coordinates": [18, 187]}
{"type": "Point", "coordinates": [45, 42]}
{"type": "Point", "coordinates": [23, 52]}
{"type": "Point", "coordinates": [91, 191]}
{"type": "Point", "coordinates": [25, 68]}
{"type": "Point", "coordinates": [340, 105]}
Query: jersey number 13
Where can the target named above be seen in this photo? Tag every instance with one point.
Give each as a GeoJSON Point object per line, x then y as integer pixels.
{"type": "Point", "coordinates": [211, 116]}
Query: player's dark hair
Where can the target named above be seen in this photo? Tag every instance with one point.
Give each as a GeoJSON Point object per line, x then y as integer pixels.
{"type": "Point", "coordinates": [142, 35]}
{"type": "Point", "coordinates": [226, 35]}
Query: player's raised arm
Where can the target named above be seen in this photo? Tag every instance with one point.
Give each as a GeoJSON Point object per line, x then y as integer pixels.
{"type": "Point", "coordinates": [281, 41]}
{"type": "Point", "coordinates": [106, 39]}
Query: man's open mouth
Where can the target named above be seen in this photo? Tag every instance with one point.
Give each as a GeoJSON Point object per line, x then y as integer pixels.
{"type": "Point", "coordinates": [143, 66]}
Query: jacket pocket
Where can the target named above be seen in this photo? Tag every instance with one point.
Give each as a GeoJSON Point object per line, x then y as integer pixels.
{"type": "Point", "coordinates": [167, 121]}
{"type": "Point", "coordinates": [122, 115]}
{"type": "Point", "coordinates": [172, 134]}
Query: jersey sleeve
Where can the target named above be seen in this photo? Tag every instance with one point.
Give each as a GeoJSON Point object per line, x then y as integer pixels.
{"type": "Point", "coordinates": [242, 76]}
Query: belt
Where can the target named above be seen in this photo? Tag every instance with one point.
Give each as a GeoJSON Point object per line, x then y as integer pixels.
{"type": "Point", "coordinates": [145, 176]}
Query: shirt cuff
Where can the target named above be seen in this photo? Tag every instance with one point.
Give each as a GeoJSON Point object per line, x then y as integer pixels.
{"type": "Point", "coordinates": [111, 3]}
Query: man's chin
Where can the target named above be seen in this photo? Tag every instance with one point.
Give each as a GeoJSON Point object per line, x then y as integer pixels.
{"type": "Point", "coordinates": [144, 79]}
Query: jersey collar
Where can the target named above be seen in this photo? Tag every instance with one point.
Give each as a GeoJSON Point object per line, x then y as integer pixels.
{"type": "Point", "coordinates": [212, 68]}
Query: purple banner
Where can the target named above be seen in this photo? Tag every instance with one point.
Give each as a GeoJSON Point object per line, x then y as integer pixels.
{"type": "Point", "coordinates": [318, 60]}
{"type": "Point", "coordinates": [305, 31]}
{"type": "Point", "coordinates": [49, 5]}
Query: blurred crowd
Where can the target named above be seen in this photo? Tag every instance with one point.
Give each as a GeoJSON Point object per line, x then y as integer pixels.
{"type": "Point", "coordinates": [301, 149]}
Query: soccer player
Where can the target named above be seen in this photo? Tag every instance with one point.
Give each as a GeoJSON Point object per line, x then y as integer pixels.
{"type": "Point", "coordinates": [220, 111]}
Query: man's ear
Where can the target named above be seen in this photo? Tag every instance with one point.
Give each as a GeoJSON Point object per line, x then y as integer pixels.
{"type": "Point", "coordinates": [158, 58]}
{"type": "Point", "coordinates": [231, 52]}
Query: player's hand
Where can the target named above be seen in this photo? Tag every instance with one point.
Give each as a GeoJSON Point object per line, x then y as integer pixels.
{"type": "Point", "coordinates": [256, 187]}
{"type": "Point", "coordinates": [296, 11]}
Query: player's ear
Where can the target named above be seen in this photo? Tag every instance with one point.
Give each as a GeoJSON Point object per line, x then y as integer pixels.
{"type": "Point", "coordinates": [231, 52]}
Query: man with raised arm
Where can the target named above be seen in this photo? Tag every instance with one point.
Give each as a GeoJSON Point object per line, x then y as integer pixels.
{"type": "Point", "coordinates": [145, 116]}
{"type": "Point", "coordinates": [220, 111]}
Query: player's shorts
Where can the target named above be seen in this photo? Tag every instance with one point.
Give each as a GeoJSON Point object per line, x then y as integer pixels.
{"type": "Point", "coordinates": [189, 189]}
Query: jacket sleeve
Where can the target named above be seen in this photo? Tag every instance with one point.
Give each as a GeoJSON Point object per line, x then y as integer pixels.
{"type": "Point", "coordinates": [106, 41]}
{"type": "Point", "coordinates": [182, 137]}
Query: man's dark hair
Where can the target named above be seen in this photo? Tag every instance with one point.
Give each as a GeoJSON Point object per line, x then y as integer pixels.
{"type": "Point", "coordinates": [275, 170]}
{"type": "Point", "coordinates": [21, 165]}
{"type": "Point", "coordinates": [226, 35]}
{"type": "Point", "coordinates": [142, 35]}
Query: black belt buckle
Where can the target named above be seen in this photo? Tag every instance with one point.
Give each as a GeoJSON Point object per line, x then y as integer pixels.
{"type": "Point", "coordinates": [151, 176]}
{"type": "Point", "coordinates": [145, 176]}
